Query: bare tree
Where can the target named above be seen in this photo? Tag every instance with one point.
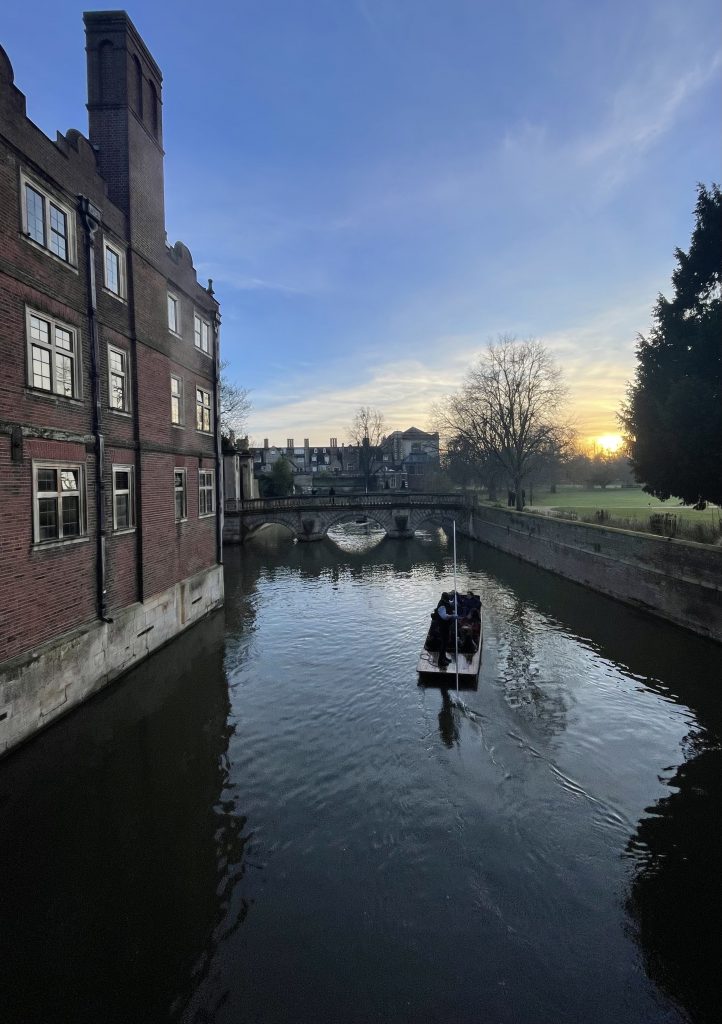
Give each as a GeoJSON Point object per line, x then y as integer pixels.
{"type": "Point", "coordinates": [368, 433]}
{"type": "Point", "coordinates": [509, 410]}
{"type": "Point", "coordinates": [235, 405]}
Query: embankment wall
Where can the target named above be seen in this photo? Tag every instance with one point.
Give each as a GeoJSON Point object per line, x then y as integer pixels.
{"type": "Point", "coordinates": [38, 687]}
{"type": "Point", "coordinates": [677, 580]}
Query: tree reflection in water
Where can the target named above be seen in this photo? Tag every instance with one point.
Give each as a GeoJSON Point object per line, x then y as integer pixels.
{"type": "Point", "coordinates": [676, 893]}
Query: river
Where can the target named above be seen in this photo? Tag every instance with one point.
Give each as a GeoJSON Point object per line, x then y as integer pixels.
{"type": "Point", "coordinates": [270, 821]}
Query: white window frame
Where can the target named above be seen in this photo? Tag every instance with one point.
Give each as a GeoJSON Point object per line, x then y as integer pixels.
{"type": "Point", "coordinates": [74, 354]}
{"type": "Point", "coordinates": [203, 344]}
{"type": "Point", "coordinates": [172, 297]}
{"type": "Point", "coordinates": [117, 251]}
{"type": "Point", "coordinates": [184, 490]}
{"type": "Point", "coordinates": [207, 485]}
{"type": "Point", "coordinates": [70, 259]}
{"type": "Point", "coordinates": [125, 374]}
{"type": "Point", "coordinates": [201, 408]}
{"type": "Point", "coordinates": [58, 495]}
{"type": "Point", "coordinates": [180, 396]}
{"type": "Point", "coordinates": [130, 491]}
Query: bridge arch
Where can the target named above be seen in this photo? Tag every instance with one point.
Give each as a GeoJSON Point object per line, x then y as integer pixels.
{"type": "Point", "coordinates": [310, 518]}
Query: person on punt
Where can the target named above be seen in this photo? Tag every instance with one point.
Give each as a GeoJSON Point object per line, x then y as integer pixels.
{"type": "Point", "coordinates": [445, 616]}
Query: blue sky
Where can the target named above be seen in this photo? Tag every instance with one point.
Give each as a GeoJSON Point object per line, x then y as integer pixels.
{"type": "Point", "coordinates": [378, 187]}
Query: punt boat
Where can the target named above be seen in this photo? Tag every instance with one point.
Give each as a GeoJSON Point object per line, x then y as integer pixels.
{"type": "Point", "coordinates": [468, 659]}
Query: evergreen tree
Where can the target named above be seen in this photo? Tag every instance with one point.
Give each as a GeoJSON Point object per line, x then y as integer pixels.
{"type": "Point", "coordinates": [673, 412]}
{"type": "Point", "coordinates": [281, 478]}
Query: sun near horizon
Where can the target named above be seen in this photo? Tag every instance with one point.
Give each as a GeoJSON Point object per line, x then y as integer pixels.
{"type": "Point", "coordinates": [610, 443]}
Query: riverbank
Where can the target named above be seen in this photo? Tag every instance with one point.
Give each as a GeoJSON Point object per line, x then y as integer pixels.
{"type": "Point", "coordinates": [680, 581]}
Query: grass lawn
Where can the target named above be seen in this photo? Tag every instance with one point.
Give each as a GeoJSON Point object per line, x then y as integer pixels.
{"type": "Point", "coordinates": [632, 502]}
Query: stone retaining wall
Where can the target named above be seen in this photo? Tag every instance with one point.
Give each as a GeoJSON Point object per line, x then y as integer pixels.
{"type": "Point", "coordinates": [38, 687]}
{"type": "Point", "coordinates": [677, 580]}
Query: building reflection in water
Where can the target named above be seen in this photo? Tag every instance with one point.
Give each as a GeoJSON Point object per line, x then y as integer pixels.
{"type": "Point", "coordinates": [133, 906]}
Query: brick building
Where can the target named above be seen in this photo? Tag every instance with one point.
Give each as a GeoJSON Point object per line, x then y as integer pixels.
{"type": "Point", "coordinates": [110, 482]}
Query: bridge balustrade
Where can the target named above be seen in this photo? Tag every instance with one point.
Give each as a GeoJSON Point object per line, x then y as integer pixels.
{"type": "Point", "coordinates": [356, 501]}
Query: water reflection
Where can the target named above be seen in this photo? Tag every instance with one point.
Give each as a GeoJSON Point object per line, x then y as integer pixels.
{"type": "Point", "coordinates": [675, 897]}
{"type": "Point", "coordinates": [278, 824]}
{"type": "Point", "coordinates": [121, 825]}
{"type": "Point", "coordinates": [676, 894]}
{"type": "Point", "coordinates": [448, 726]}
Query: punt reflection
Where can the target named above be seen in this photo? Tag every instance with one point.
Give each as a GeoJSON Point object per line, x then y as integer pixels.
{"type": "Point", "coordinates": [132, 844]}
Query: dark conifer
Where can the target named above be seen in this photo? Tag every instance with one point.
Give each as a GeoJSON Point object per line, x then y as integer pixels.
{"type": "Point", "coordinates": [673, 413]}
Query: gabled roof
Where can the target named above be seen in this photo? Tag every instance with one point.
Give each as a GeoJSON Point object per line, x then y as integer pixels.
{"type": "Point", "coordinates": [414, 432]}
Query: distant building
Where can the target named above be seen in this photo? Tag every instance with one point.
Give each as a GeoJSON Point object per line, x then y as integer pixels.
{"type": "Point", "coordinates": [406, 458]}
{"type": "Point", "coordinates": [306, 459]}
{"type": "Point", "coordinates": [414, 453]}
{"type": "Point", "coordinates": [109, 453]}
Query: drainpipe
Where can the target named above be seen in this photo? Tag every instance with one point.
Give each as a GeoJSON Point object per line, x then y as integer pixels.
{"type": "Point", "coordinates": [217, 407]}
{"type": "Point", "coordinates": [91, 216]}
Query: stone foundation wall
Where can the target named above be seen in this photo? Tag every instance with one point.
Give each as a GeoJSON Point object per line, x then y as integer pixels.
{"type": "Point", "coordinates": [39, 686]}
{"type": "Point", "coordinates": [677, 580]}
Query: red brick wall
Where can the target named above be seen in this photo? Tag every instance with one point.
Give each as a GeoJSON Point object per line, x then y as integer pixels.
{"type": "Point", "coordinates": [180, 549]}
{"type": "Point", "coordinates": [44, 591]}
{"type": "Point", "coordinates": [47, 590]}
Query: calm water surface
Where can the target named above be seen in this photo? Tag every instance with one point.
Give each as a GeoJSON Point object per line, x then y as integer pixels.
{"type": "Point", "coordinates": [270, 821]}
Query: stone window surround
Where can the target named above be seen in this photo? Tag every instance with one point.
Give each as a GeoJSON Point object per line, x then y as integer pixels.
{"type": "Point", "coordinates": [123, 410]}
{"type": "Point", "coordinates": [59, 465]}
{"type": "Point", "coordinates": [71, 239]}
{"type": "Point", "coordinates": [206, 489]}
{"type": "Point", "coordinates": [75, 354]}
{"type": "Point", "coordinates": [122, 293]}
{"type": "Point", "coordinates": [180, 489]}
{"type": "Point", "coordinates": [179, 395]}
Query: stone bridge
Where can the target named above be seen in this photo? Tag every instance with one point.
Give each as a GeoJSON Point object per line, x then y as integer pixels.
{"type": "Point", "coordinates": [311, 517]}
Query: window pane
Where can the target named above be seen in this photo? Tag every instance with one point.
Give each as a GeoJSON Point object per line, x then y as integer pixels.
{"type": "Point", "coordinates": [122, 480]}
{"type": "Point", "coordinates": [69, 479]}
{"type": "Point", "coordinates": [174, 409]}
{"type": "Point", "coordinates": [117, 391]}
{"type": "Point", "coordinates": [115, 360]}
{"type": "Point", "coordinates": [47, 518]}
{"type": "Point", "coordinates": [179, 505]}
{"type": "Point", "coordinates": [63, 375]}
{"type": "Point", "coordinates": [63, 339]}
{"type": "Point", "coordinates": [112, 271]}
{"type": "Point", "coordinates": [122, 511]}
{"type": "Point", "coordinates": [205, 345]}
{"type": "Point", "coordinates": [172, 314]}
{"type": "Point", "coordinates": [174, 386]}
{"type": "Point", "coordinates": [39, 330]}
{"type": "Point", "coordinates": [71, 515]}
{"type": "Point", "coordinates": [58, 232]}
{"type": "Point", "coordinates": [47, 480]}
{"type": "Point", "coordinates": [41, 368]}
{"type": "Point", "coordinates": [206, 419]}
{"type": "Point", "coordinates": [179, 479]}
{"type": "Point", "coordinates": [34, 203]}
{"type": "Point", "coordinates": [197, 330]}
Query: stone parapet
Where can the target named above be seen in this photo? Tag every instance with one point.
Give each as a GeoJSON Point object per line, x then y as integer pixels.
{"type": "Point", "coordinates": [677, 580]}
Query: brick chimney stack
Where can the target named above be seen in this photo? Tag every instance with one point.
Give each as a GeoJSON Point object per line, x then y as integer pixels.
{"type": "Point", "coordinates": [126, 123]}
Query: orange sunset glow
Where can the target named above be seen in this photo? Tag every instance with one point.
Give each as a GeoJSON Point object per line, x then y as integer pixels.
{"type": "Point", "coordinates": [608, 442]}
